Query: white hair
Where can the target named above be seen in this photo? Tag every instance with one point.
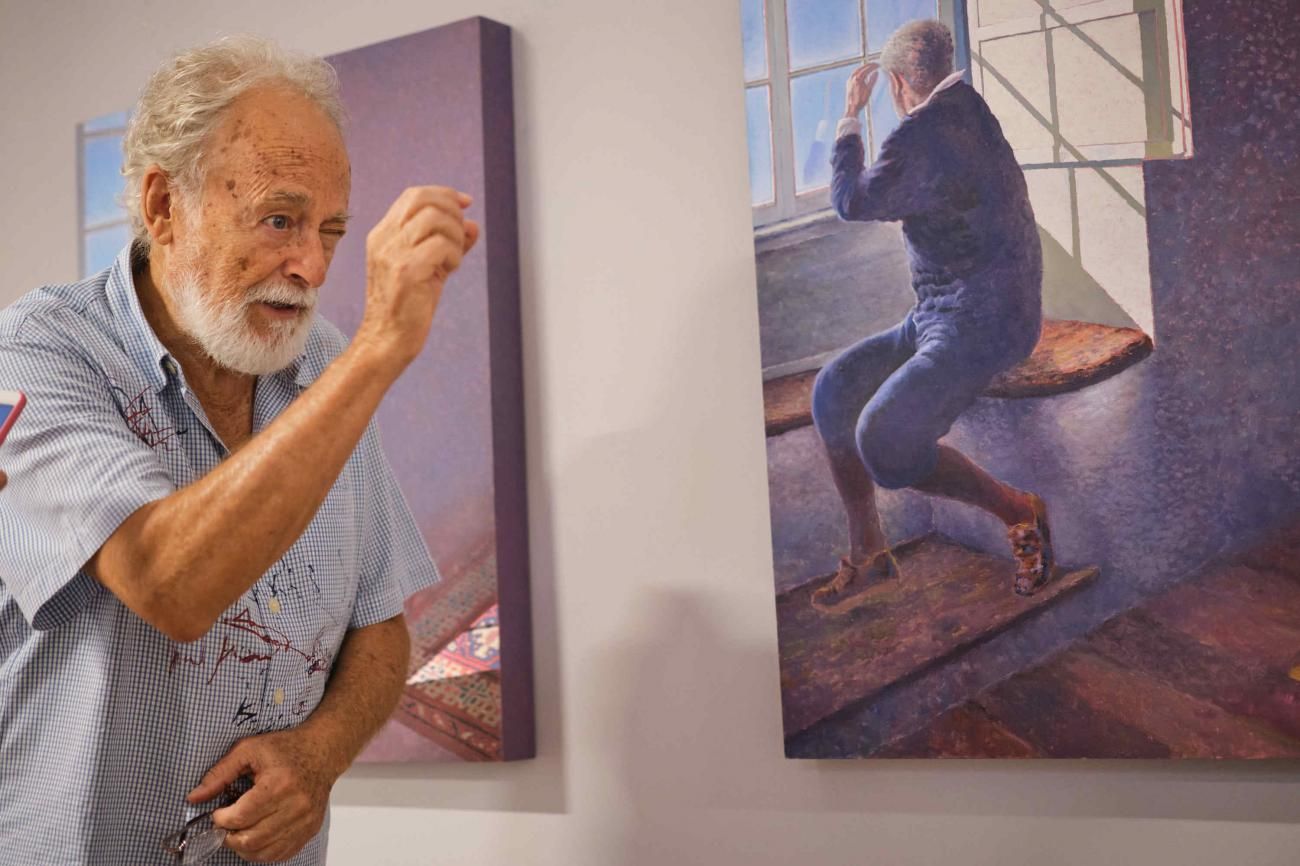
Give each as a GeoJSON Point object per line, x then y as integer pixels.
{"type": "Point", "coordinates": [920, 52]}
{"type": "Point", "coordinates": [187, 97]}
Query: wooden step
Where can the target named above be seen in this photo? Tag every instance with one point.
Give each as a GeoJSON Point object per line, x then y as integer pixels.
{"type": "Point", "coordinates": [947, 599]}
{"type": "Point", "coordinates": [1070, 355]}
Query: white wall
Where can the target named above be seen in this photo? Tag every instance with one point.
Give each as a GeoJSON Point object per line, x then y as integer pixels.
{"type": "Point", "coordinates": [660, 731]}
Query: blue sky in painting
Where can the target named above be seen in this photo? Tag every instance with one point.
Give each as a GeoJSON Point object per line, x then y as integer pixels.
{"type": "Point", "coordinates": [754, 32]}
{"type": "Point", "coordinates": [821, 31]}
{"type": "Point", "coordinates": [107, 121]}
{"type": "Point", "coordinates": [759, 120]}
{"type": "Point", "coordinates": [816, 100]}
{"type": "Point", "coordinates": [102, 245]}
{"type": "Point", "coordinates": [102, 177]}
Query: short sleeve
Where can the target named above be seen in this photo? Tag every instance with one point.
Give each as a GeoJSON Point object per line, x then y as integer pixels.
{"type": "Point", "coordinates": [395, 561]}
{"type": "Point", "coordinates": [76, 472]}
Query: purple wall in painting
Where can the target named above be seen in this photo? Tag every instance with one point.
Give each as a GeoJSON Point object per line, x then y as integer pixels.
{"type": "Point", "coordinates": [1192, 452]}
{"type": "Point", "coordinates": [436, 421]}
{"type": "Point", "coordinates": [436, 107]}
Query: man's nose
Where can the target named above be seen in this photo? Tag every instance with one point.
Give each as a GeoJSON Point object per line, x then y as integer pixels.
{"type": "Point", "coordinates": [307, 261]}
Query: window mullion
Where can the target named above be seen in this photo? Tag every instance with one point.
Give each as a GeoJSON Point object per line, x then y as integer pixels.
{"type": "Point", "coordinates": [782, 125]}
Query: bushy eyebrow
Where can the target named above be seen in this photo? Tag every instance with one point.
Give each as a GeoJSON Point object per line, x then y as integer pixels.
{"type": "Point", "coordinates": [287, 198]}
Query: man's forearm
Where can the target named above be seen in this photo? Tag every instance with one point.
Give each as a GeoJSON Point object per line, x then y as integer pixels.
{"type": "Point", "coordinates": [179, 562]}
{"type": "Point", "coordinates": [364, 687]}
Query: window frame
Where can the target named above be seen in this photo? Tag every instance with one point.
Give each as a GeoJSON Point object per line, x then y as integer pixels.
{"type": "Point", "coordinates": [788, 204]}
{"type": "Point", "coordinates": [87, 132]}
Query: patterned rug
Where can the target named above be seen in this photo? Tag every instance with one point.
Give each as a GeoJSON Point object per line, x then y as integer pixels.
{"type": "Point", "coordinates": [455, 698]}
{"type": "Point", "coordinates": [453, 693]}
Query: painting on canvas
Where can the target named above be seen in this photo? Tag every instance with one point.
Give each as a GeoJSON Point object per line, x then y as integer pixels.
{"type": "Point", "coordinates": [1027, 274]}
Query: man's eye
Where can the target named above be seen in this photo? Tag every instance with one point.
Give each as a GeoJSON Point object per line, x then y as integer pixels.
{"type": "Point", "coordinates": [279, 222]}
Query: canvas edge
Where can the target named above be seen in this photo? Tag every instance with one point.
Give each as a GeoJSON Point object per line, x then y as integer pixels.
{"type": "Point", "coordinates": [505, 353]}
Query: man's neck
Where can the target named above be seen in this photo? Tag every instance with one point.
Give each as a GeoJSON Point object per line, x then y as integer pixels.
{"type": "Point", "coordinates": [216, 386]}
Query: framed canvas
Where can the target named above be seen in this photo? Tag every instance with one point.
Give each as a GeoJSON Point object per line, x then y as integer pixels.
{"type": "Point", "coordinates": [433, 107]}
{"type": "Point", "coordinates": [1028, 384]}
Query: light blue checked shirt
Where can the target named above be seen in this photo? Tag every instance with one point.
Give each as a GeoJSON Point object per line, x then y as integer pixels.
{"type": "Point", "coordinates": [105, 723]}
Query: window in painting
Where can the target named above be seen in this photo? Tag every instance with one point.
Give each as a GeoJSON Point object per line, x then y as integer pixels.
{"type": "Point", "coordinates": [103, 227]}
{"type": "Point", "coordinates": [798, 57]}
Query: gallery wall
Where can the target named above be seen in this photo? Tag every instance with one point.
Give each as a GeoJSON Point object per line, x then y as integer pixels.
{"type": "Point", "coordinates": [657, 694]}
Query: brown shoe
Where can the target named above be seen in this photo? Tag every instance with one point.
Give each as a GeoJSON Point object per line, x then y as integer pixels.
{"type": "Point", "coordinates": [1031, 545]}
{"type": "Point", "coordinates": [848, 589]}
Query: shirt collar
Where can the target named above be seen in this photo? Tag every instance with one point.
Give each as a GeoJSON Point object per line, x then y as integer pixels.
{"type": "Point", "coordinates": [151, 356]}
{"type": "Point", "coordinates": [140, 342]}
{"type": "Point", "coordinates": [942, 85]}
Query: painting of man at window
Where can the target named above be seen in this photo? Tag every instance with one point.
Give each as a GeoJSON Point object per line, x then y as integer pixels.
{"type": "Point", "coordinates": [978, 296]}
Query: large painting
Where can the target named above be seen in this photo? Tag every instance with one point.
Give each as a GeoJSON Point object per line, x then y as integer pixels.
{"type": "Point", "coordinates": [1029, 381]}
{"type": "Point", "coordinates": [431, 107]}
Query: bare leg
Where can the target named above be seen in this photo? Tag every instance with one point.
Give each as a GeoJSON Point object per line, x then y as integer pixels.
{"type": "Point", "coordinates": [858, 492]}
{"type": "Point", "coordinates": [957, 477]}
{"type": "Point", "coordinates": [869, 561]}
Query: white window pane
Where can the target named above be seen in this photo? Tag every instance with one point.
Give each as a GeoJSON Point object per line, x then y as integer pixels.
{"type": "Point", "coordinates": [822, 31]}
{"type": "Point", "coordinates": [758, 116]}
{"type": "Point", "coordinates": [753, 29]}
{"type": "Point", "coordinates": [102, 246]}
{"type": "Point", "coordinates": [884, 119]}
{"type": "Point", "coordinates": [102, 178]}
{"type": "Point", "coordinates": [816, 105]}
{"type": "Point", "coordinates": [886, 16]}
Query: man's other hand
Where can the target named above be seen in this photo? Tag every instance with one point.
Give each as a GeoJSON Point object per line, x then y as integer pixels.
{"type": "Point", "coordinates": [857, 92]}
{"type": "Point", "coordinates": [285, 808]}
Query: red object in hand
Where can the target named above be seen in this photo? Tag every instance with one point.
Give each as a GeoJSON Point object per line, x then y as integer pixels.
{"type": "Point", "coordinates": [11, 406]}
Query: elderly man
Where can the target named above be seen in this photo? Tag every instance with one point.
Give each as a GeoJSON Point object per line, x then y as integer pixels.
{"type": "Point", "coordinates": [881, 406]}
{"type": "Point", "coordinates": [205, 553]}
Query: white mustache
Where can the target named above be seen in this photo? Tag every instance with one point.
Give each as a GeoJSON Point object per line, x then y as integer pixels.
{"type": "Point", "coordinates": [284, 293]}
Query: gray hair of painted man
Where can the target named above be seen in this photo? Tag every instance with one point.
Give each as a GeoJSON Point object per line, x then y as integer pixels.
{"type": "Point", "coordinates": [920, 52]}
{"type": "Point", "coordinates": [187, 96]}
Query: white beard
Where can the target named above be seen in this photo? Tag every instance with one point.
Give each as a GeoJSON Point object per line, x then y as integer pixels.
{"type": "Point", "coordinates": [222, 328]}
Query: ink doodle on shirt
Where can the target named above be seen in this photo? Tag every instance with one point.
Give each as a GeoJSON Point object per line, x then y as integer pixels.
{"type": "Point", "coordinates": [139, 413]}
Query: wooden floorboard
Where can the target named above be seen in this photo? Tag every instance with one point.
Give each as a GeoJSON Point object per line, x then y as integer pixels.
{"type": "Point", "coordinates": [1207, 669]}
{"type": "Point", "coordinates": [947, 599]}
{"type": "Point", "coordinates": [1246, 687]}
{"type": "Point", "coordinates": [1191, 727]}
{"type": "Point", "coordinates": [1043, 707]}
{"type": "Point", "coordinates": [967, 731]}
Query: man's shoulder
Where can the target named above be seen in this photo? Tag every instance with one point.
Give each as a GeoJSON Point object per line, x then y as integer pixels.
{"type": "Point", "coordinates": [960, 105]}
{"type": "Point", "coordinates": [68, 314]}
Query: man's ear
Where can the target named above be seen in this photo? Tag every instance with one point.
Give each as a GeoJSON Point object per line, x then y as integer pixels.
{"type": "Point", "coordinates": [896, 84]}
{"type": "Point", "coordinates": [158, 205]}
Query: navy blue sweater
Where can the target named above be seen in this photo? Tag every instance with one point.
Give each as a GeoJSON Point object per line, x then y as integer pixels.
{"type": "Point", "coordinates": [949, 175]}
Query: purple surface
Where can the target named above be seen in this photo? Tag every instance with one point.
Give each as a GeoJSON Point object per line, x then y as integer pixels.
{"type": "Point", "coordinates": [436, 108]}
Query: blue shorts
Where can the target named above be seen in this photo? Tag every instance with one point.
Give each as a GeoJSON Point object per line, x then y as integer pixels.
{"type": "Point", "coordinates": [888, 399]}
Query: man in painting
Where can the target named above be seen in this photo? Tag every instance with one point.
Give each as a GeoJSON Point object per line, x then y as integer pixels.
{"type": "Point", "coordinates": [205, 552]}
{"type": "Point", "coordinates": [882, 405]}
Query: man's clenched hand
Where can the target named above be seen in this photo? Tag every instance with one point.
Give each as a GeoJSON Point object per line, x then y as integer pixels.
{"type": "Point", "coordinates": [410, 253]}
{"type": "Point", "coordinates": [857, 92]}
{"type": "Point", "coordinates": [292, 778]}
